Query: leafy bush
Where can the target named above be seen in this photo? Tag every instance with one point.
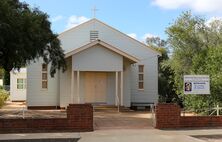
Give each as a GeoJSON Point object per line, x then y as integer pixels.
{"type": "Point", "coordinates": [196, 50]}
{"type": "Point", "coordinates": [3, 97]}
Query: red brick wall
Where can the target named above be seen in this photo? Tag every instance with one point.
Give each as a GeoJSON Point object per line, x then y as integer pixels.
{"type": "Point", "coordinates": [80, 116]}
{"type": "Point", "coordinates": [201, 121]}
{"type": "Point", "coordinates": [79, 119]}
{"type": "Point", "coordinates": [168, 116]}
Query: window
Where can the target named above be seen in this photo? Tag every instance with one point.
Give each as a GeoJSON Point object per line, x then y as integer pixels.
{"type": "Point", "coordinates": [141, 77]}
{"type": "Point", "coordinates": [94, 35]}
{"type": "Point", "coordinates": [21, 83]}
{"type": "Point", "coordinates": [44, 76]}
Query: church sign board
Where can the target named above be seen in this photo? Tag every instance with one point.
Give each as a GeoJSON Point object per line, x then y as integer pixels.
{"type": "Point", "coordinates": [196, 84]}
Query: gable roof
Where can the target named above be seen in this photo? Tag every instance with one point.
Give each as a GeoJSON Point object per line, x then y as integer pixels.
{"type": "Point", "coordinates": [96, 20]}
{"type": "Point", "coordinates": [105, 45]}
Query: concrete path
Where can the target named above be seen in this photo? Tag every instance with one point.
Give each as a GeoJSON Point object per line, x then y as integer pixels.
{"type": "Point", "coordinates": [19, 110]}
{"type": "Point", "coordinates": [14, 105]}
{"type": "Point", "coordinates": [129, 135]}
{"type": "Point", "coordinates": [122, 120]}
{"type": "Point", "coordinates": [29, 136]}
{"type": "Point", "coordinates": [125, 135]}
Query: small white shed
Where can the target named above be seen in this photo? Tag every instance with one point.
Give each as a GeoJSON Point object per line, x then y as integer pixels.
{"type": "Point", "coordinates": [18, 85]}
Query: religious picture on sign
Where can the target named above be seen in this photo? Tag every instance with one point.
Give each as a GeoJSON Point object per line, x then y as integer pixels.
{"type": "Point", "coordinates": [188, 86]}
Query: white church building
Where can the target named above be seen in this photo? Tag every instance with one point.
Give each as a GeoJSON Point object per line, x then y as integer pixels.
{"type": "Point", "coordinates": [104, 66]}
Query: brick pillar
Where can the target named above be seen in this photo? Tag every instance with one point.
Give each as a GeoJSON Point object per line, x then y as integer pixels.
{"type": "Point", "coordinates": [167, 115]}
{"type": "Point", "coordinates": [80, 116]}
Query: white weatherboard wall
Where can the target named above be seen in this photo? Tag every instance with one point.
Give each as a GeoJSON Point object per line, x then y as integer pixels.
{"type": "Point", "coordinates": [17, 94]}
{"type": "Point", "coordinates": [65, 84]}
{"type": "Point", "coordinates": [149, 94]}
{"type": "Point", "coordinates": [126, 83]}
{"type": "Point", "coordinates": [97, 58]}
{"type": "Point", "coordinates": [36, 96]}
{"type": "Point", "coordinates": [79, 36]}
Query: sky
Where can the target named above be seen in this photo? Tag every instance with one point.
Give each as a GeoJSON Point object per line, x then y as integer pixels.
{"type": "Point", "coordinates": [137, 18]}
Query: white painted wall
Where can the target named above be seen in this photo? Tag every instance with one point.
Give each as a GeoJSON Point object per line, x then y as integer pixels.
{"type": "Point", "coordinates": [127, 83]}
{"type": "Point", "coordinates": [36, 96]}
{"type": "Point", "coordinates": [149, 94]}
{"type": "Point", "coordinates": [111, 88]}
{"type": "Point", "coordinates": [79, 36]}
{"type": "Point", "coordinates": [65, 84]}
{"type": "Point", "coordinates": [97, 58]}
{"type": "Point", "coordinates": [17, 94]}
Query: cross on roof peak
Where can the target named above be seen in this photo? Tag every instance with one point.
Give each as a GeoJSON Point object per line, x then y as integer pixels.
{"type": "Point", "coordinates": [94, 9]}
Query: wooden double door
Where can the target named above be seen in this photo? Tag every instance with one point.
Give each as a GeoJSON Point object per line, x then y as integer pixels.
{"type": "Point", "coordinates": [95, 87]}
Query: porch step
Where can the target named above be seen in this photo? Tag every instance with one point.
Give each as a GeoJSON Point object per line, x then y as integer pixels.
{"type": "Point", "coordinates": [110, 108]}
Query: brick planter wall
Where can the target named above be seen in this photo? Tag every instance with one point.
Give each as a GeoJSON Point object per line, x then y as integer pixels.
{"type": "Point", "coordinates": [79, 119]}
{"type": "Point", "coordinates": [168, 116]}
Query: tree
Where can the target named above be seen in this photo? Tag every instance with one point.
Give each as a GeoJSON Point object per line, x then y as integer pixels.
{"type": "Point", "coordinates": [1, 73]}
{"type": "Point", "coordinates": [155, 41]}
{"type": "Point", "coordinates": [165, 77]}
{"type": "Point", "coordinates": [25, 36]}
{"type": "Point", "coordinates": [197, 48]}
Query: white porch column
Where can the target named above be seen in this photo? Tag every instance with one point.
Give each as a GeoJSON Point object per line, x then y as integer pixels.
{"type": "Point", "coordinates": [121, 88]}
{"type": "Point", "coordinates": [72, 88]}
{"type": "Point", "coordinates": [116, 87]}
{"type": "Point", "coordinates": [78, 94]}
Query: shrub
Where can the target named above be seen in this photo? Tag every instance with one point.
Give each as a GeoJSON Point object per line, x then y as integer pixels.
{"type": "Point", "coordinates": [3, 97]}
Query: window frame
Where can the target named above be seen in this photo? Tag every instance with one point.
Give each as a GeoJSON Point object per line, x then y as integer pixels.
{"type": "Point", "coordinates": [44, 79]}
{"type": "Point", "coordinates": [23, 83]}
{"type": "Point", "coordinates": [140, 73]}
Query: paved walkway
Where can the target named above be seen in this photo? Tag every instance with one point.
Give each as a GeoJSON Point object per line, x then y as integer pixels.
{"type": "Point", "coordinates": [125, 135]}
{"type": "Point", "coordinates": [122, 120]}
{"type": "Point", "coordinates": [16, 109]}
{"type": "Point", "coordinates": [149, 135]}
{"type": "Point", "coordinates": [14, 105]}
{"type": "Point", "coordinates": [42, 136]}
{"type": "Point", "coordinates": [144, 135]}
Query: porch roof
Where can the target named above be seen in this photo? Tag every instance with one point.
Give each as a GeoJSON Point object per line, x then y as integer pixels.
{"type": "Point", "coordinates": [105, 45]}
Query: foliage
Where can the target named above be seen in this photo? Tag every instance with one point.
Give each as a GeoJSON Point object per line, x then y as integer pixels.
{"type": "Point", "coordinates": [197, 49]}
{"type": "Point", "coordinates": [6, 78]}
{"type": "Point", "coordinates": [156, 41]}
{"type": "Point", "coordinates": [3, 97]}
{"type": "Point", "coordinates": [25, 36]}
{"type": "Point", "coordinates": [1, 73]}
{"type": "Point", "coordinates": [165, 77]}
